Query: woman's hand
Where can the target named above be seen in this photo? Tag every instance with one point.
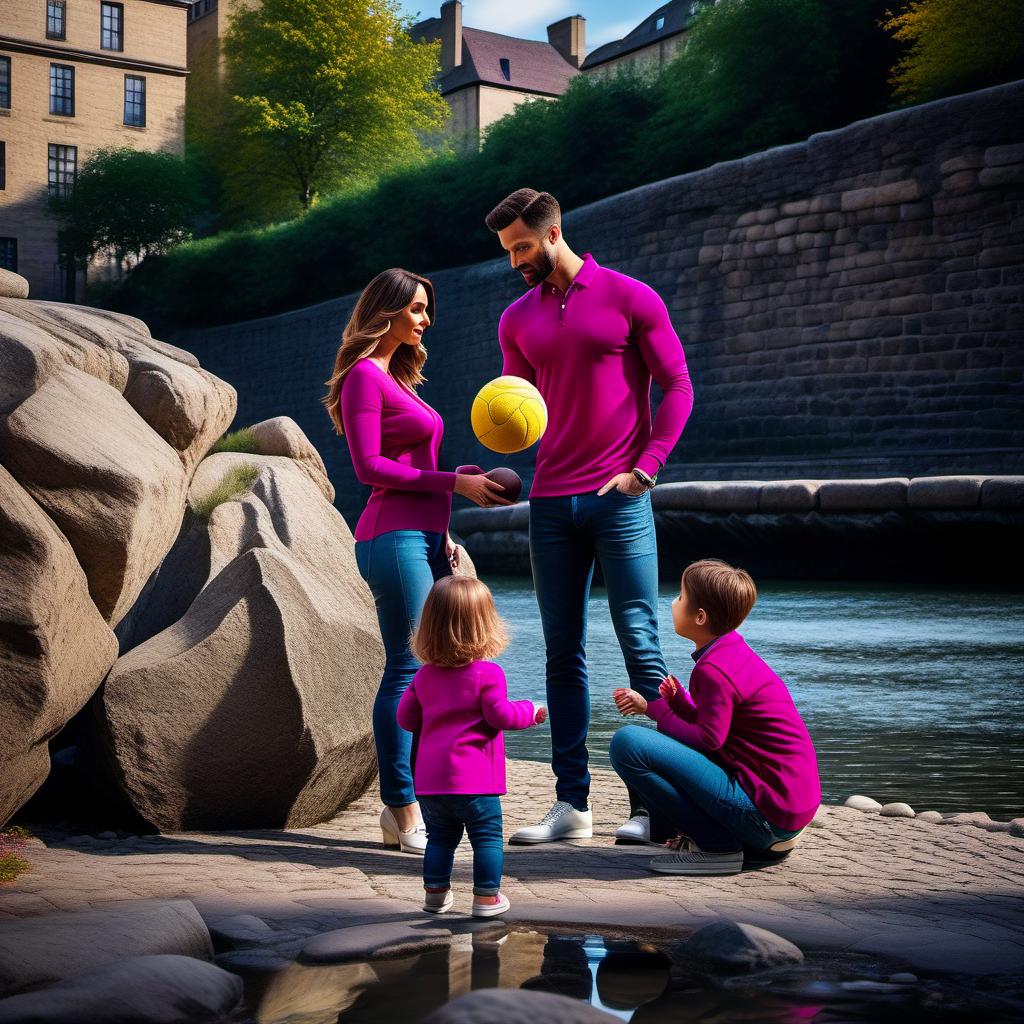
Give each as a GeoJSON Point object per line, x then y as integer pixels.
{"type": "Point", "coordinates": [669, 688]}
{"type": "Point", "coordinates": [625, 482]}
{"type": "Point", "coordinates": [451, 549]}
{"type": "Point", "coordinates": [629, 702]}
{"type": "Point", "coordinates": [480, 489]}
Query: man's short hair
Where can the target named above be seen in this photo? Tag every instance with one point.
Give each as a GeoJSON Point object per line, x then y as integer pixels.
{"type": "Point", "coordinates": [725, 593]}
{"type": "Point", "coordinates": [539, 211]}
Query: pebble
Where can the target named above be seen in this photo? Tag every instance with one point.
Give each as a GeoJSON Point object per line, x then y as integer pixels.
{"type": "Point", "coordinates": [862, 803]}
{"type": "Point", "coordinates": [930, 816]}
{"type": "Point", "coordinates": [897, 810]}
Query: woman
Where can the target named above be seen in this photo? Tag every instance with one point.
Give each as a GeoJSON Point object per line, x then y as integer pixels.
{"type": "Point", "coordinates": [402, 539]}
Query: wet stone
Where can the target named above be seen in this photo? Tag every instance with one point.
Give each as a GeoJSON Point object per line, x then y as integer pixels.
{"type": "Point", "coordinates": [732, 945]}
{"type": "Point", "coordinates": [358, 943]}
{"type": "Point", "coordinates": [862, 803]}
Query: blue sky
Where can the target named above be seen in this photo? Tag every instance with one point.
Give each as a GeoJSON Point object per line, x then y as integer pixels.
{"type": "Point", "coordinates": [529, 19]}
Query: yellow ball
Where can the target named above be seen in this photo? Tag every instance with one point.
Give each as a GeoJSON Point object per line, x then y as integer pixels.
{"type": "Point", "coordinates": [508, 415]}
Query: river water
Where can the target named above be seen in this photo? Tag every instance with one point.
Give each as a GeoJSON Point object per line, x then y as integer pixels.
{"type": "Point", "coordinates": [910, 693]}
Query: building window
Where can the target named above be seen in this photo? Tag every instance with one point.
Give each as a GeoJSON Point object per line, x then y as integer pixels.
{"type": "Point", "coordinates": [201, 7]}
{"type": "Point", "coordinates": [506, 69]}
{"type": "Point", "coordinates": [55, 27]}
{"type": "Point", "coordinates": [659, 24]}
{"type": "Point", "coordinates": [3, 165]}
{"type": "Point", "coordinates": [63, 165]}
{"type": "Point", "coordinates": [9, 254]}
{"type": "Point", "coordinates": [5, 83]}
{"type": "Point", "coordinates": [112, 26]}
{"type": "Point", "coordinates": [135, 101]}
{"type": "Point", "coordinates": [62, 90]}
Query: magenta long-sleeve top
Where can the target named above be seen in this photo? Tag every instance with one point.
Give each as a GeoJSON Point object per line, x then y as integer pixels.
{"type": "Point", "coordinates": [740, 713]}
{"type": "Point", "coordinates": [592, 354]}
{"type": "Point", "coordinates": [394, 438]}
{"type": "Point", "coordinates": [460, 714]}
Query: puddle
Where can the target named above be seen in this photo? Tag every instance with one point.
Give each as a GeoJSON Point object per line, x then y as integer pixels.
{"type": "Point", "coordinates": [629, 980]}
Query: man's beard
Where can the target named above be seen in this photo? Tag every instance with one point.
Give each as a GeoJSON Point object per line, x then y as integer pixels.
{"type": "Point", "coordinates": [542, 269]}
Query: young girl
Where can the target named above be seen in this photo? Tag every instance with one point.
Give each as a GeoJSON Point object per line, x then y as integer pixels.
{"type": "Point", "coordinates": [732, 765]}
{"type": "Point", "coordinates": [457, 706]}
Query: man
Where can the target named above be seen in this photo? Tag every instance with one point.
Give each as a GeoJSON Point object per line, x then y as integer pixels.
{"type": "Point", "coordinates": [590, 339]}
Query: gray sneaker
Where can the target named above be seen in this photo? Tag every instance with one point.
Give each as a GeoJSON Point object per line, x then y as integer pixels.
{"type": "Point", "coordinates": [698, 862]}
{"type": "Point", "coordinates": [563, 821]}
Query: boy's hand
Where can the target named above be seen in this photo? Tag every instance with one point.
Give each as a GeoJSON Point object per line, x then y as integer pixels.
{"type": "Point", "coordinates": [629, 702]}
{"type": "Point", "coordinates": [669, 688]}
{"type": "Point", "coordinates": [540, 715]}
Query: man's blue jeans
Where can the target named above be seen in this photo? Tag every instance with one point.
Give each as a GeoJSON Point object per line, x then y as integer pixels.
{"type": "Point", "coordinates": [686, 791]}
{"type": "Point", "coordinates": [445, 818]}
{"type": "Point", "coordinates": [400, 567]}
{"type": "Point", "coordinates": [566, 534]}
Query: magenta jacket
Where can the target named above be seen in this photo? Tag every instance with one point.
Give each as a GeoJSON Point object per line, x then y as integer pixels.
{"type": "Point", "coordinates": [739, 713]}
{"type": "Point", "coordinates": [459, 714]}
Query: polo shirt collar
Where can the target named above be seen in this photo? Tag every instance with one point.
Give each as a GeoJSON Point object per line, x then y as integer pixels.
{"type": "Point", "coordinates": [586, 272]}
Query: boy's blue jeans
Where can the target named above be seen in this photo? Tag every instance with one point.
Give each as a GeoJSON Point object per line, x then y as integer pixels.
{"type": "Point", "coordinates": [566, 534]}
{"type": "Point", "coordinates": [400, 567]}
{"type": "Point", "coordinates": [688, 792]}
{"type": "Point", "coordinates": [445, 818]}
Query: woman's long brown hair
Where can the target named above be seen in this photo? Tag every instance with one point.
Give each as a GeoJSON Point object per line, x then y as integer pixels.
{"type": "Point", "coordinates": [381, 300]}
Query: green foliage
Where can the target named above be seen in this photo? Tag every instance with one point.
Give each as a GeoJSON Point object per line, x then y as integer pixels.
{"type": "Point", "coordinates": [131, 202]}
{"type": "Point", "coordinates": [243, 441]}
{"type": "Point", "coordinates": [334, 92]}
{"type": "Point", "coordinates": [232, 486]}
{"type": "Point", "coordinates": [11, 864]}
{"type": "Point", "coordinates": [956, 45]}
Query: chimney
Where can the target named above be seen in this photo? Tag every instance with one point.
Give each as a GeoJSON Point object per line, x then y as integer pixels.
{"type": "Point", "coordinates": [568, 37]}
{"type": "Point", "coordinates": [451, 35]}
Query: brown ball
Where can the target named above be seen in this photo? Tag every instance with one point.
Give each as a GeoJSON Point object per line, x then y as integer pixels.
{"type": "Point", "coordinates": [509, 479]}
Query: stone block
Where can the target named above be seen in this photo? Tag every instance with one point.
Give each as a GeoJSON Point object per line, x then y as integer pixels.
{"type": "Point", "coordinates": [863, 495]}
{"type": "Point", "coordinates": [946, 492]}
{"type": "Point", "coordinates": [709, 496]}
{"type": "Point", "coordinates": [1003, 492]}
{"type": "Point", "coordinates": [1000, 177]}
{"type": "Point", "coordinates": [997, 156]}
{"type": "Point", "coordinates": [788, 496]}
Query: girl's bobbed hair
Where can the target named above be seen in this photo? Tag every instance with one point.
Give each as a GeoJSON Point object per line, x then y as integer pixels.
{"type": "Point", "coordinates": [459, 624]}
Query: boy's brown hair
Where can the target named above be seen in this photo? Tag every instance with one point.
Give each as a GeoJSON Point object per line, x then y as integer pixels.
{"type": "Point", "coordinates": [459, 624]}
{"type": "Point", "coordinates": [539, 211]}
{"type": "Point", "coordinates": [725, 593]}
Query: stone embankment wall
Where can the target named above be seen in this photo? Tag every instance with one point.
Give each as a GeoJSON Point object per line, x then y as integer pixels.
{"type": "Point", "coordinates": [851, 306]}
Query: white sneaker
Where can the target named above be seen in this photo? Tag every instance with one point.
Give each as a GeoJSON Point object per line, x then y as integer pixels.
{"type": "Point", "coordinates": [563, 821]}
{"type": "Point", "coordinates": [413, 841]}
{"type": "Point", "coordinates": [438, 902]}
{"type": "Point", "coordinates": [491, 909]}
{"type": "Point", "coordinates": [698, 862]}
{"type": "Point", "coordinates": [637, 830]}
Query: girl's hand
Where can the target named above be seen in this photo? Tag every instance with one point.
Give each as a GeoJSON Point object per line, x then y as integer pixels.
{"type": "Point", "coordinates": [451, 549]}
{"type": "Point", "coordinates": [540, 715]}
{"type": "Point", "coordinates": [480, 489]}
{"type": "Point", "coordinates": [669, 688]}
{"type": "Point", "coordinates": [629, 702]}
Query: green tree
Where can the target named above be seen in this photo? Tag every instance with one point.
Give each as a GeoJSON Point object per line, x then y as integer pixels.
{"type": "Point", "coordinates": [126, 201]}
{"type": "Point", "coordinates": [956, 46]}
{"type": "Point", "coordinates": [335, 90]}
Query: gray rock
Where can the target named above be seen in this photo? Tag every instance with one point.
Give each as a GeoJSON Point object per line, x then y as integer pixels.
{"type": "Point", "coordinates": [161, 989]}
{"type": "Point", "coordinates": [1017, 827]}
{"type": "Point", "coordinates": [980, 819]}
{"type": "Point", "coordinates": [933, 817]}
{"type": "Point", "coordinates": [863, 495]}
{"type": "Point", "coordinates": [789, 496]}
{"type": "Point", "coordinates": [862, 803]}
{"type": "Point", "coordinates": [240, 930]}
{"type": "Point", "coordinates": [945, 492]}
{"type": "Point", "coordinates": [41, 950]}
{"type": "Point", "coordinates": [360, 942]}
{"type": "Point", "coordinates": [897, 810]}
{"type": "Point", "coordinates": [736, 946]}
{"type": "Point", "coordinates": [516, 1006]}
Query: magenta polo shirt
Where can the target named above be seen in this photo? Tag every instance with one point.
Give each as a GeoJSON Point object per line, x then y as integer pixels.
{"type": "Point", "coordinates": [394, 438]}
{"type": "Point", "coordinates": [740, 713]}
{"type": "Point", "coordinates": [592, 353]}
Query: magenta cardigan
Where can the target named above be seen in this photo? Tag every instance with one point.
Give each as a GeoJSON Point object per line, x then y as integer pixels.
{"type": "Point", "coordinates": [739, 713]}
{"type": "Point", "coordinates": [592, 353]}
{"type": "Point", "coordinates": [459, 714]}
{"type": "Point", "coordinates": [394, 439]}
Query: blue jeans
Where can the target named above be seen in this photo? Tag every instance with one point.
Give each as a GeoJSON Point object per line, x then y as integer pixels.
{"type": "Point", "coordinates": [400, 567]}
{"type": "Point", "coordinates": [445, 818]}
{"type": "Point", "coordinates": [566, 534]}
{"type": "Point", "coordinates": [685, 790]}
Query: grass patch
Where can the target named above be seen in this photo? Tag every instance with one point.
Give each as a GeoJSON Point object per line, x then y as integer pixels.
{"type": "Point", "coordinates": [233, 485]}
{"type": "Point", "coordinates": [11, 863]}
{"type": "Point", "coordinates": [242, 441]}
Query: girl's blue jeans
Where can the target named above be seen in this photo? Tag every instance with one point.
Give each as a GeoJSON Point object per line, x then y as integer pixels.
{"type": "Point", "coordinates": [686, 791]}
{"type": "Point", "coordinates": [445, 818]}
{"type": "Point", "coordinates": [566, 535]}
{"type": "Point", "coordinates": [400, 567]}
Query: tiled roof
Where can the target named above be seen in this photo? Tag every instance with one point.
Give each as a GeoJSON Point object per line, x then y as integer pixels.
{"type": "Point", "coordinates": [677, 19]}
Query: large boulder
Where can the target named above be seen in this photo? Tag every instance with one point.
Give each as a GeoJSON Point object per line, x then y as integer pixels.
{"type": "Point", "coordinates": [254, 709]}
{"type": "Point", "coordinates": [55, 647]}
{"type": "Point", "coordinates": [283, 436]}
{"type": "Point", "coordinates": [113, 487]}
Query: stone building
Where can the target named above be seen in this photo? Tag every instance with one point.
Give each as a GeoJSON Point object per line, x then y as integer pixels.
{"type": "Point", "coordinates": [485, 75]}
{"type": "Point", "coordinates": [77, 76]}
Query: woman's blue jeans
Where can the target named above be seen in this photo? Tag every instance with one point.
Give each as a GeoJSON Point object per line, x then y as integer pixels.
{"type": "Point", "coordinates": [566, 535]}
{"type": "Point", "coordinates": [445, 818]}
{"type": "Point", "coordinates": [400, 567]}
{"type": "Point", "coordinates": [686, 791]}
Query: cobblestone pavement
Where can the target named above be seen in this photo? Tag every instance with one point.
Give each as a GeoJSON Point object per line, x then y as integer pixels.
{"type": "Point", "coordinates": [940, 896]}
